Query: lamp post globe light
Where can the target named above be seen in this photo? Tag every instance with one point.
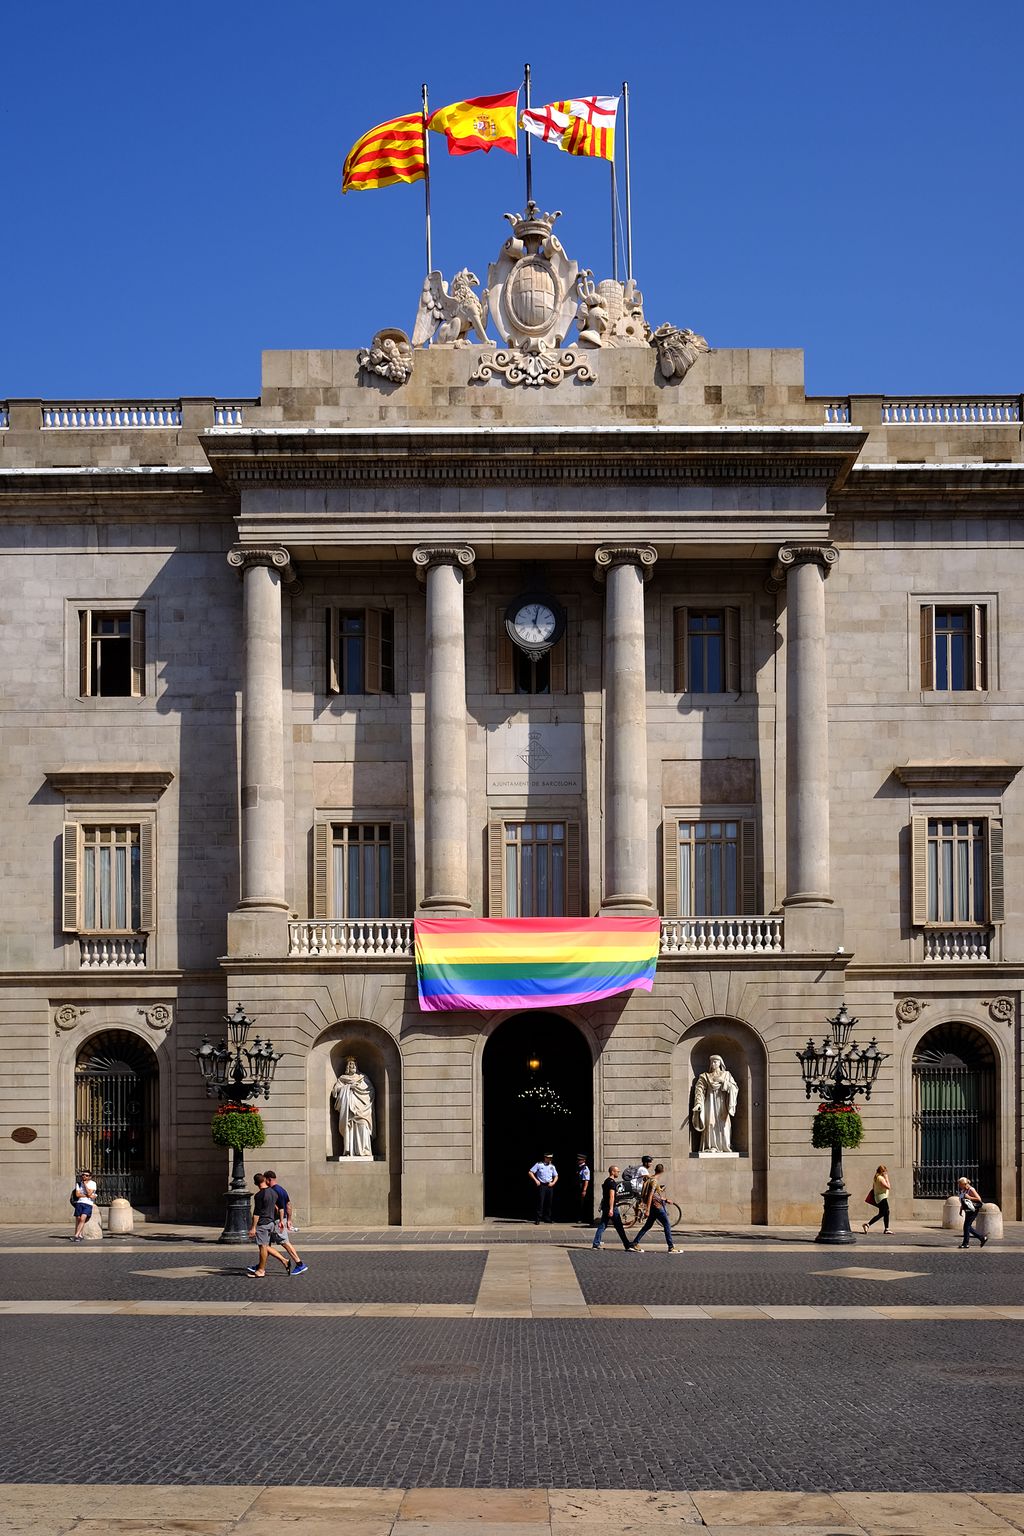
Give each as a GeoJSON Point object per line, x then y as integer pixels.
{"type": "Point", "coordinates": [236, 1073]}
{"type": "Point", "coordinates": [837, 1072]}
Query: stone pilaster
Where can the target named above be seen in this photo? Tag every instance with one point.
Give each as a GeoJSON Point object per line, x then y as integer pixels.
{"type": "Point", "coordinates": [262, 900]}
{"type": "Point", "coordinates": [624, 569]}
{"type": "Point", "coordinates": [803, 569]}
{"type": "Point", "coordinates": [445, 568]}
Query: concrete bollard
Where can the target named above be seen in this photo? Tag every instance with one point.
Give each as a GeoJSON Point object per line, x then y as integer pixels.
{"type": "Point", "coordinates": [951, 1218]}
{"type": "Point", "coordinates": [120, 1219]}
{"type": "Point", "coordinates": [989, 1222]}
{"type": "Point", "coordinates": [93, 1229]}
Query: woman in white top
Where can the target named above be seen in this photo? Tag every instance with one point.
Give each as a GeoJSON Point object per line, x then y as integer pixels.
{"type": "Point", "coordinates": [880, 1188]}
{"type": "Point", "coordinates": [970, 1205]}
{"type": "Point", "coordinates": [85, 1203]}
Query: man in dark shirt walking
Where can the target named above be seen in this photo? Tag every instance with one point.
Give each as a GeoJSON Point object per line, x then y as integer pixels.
{"type": "Point", "coordinates": [610, 1211]}
{"type": "Point", "coordinates": [264, 1208]}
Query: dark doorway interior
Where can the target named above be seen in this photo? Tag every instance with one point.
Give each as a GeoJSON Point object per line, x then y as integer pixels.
{"type": "Point", "coordinates": [955, 1113]}
{"type": "Point", "coordinates": [538, 1097]}
{"type": "Point", "coordinates": [116, 1129]}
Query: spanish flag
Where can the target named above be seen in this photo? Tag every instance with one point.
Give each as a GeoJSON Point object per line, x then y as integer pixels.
{"type": "Point", "coordinates": [389, 153]}
{"type": "Point", "coordinates": [486, 122]}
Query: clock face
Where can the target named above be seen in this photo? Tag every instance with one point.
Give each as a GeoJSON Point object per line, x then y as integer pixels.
{"type": "Point", "coordinates": [534, 623]}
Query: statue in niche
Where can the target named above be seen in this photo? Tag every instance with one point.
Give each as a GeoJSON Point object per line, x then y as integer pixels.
{"type": "Point", "coordinates": [353, 1097]}
{"type": "Point", "coordinates": [715, 1094]}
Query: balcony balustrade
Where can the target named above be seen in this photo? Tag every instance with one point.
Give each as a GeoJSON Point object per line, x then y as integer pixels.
{"type": "Point", "coordinates": [962, 944]}
{"type": "Point", "coordinates": [112, 954]}
{"type": "Point", "coordinates": [383, 938]}
{"type": "Point", "coordinates": [104, 416]}
{"type": "Point", "coordinates": [930, 410]}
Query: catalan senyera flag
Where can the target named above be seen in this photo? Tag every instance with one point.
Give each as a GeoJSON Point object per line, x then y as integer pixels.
{"type": "Point", "coordinates": [389, 153]}
{"type": "Point", "coordinates": [485, 122]}
{"type": "Point", "coordinates": [531, 962]}
{"type": "Point", "coordinates": [583, 126]}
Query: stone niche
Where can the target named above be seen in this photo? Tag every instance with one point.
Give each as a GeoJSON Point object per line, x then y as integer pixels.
{"type": "Point", "coordinates": [727, 1189]}
{"type": "Point", "coordinates": [356, 1192]}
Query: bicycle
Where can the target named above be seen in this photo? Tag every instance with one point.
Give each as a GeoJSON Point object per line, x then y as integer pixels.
{"type": "Point", "coordinates": [630, 1208]}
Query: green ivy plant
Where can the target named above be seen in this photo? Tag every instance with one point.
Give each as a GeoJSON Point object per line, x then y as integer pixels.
{"type": "Point", "coordinates": [238, 1126]}
{"type": "Point", "coordinates": [837, 1125]}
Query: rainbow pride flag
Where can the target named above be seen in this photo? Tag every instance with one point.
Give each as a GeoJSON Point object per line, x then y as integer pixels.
{"type": "Point", "coordinates": [531, 962]}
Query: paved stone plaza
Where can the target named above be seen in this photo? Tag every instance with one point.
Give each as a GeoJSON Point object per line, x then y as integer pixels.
{"type": "Point", "coordinates": [442, 1383]}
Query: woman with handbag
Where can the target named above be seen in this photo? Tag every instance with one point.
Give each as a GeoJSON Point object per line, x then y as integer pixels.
{"type": "Point", "coordinates": [879, 1197]}
{"type": "Point", "coordinates": [970, 1205]}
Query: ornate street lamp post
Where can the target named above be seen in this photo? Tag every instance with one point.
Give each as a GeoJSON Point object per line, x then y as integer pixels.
{"type": "Point", "coordinates": [234, 1074]}
{"type": "Point", "coordinates": [837, 1074]}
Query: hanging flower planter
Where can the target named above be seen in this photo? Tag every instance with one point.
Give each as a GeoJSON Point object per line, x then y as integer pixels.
{"type": "Point", "coordinates": [837, 1125]}
{"type": "Point", "coordinates": [238, 1126]}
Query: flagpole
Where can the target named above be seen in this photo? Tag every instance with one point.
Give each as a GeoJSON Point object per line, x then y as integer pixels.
{"type": "Point", "coordinates": [629, 206]}
{"type": "Point", "coordinates": [615, 243]}
{"type": "Point", "coordinates": [529, 153]}
{"type": "Point", "coordinates": [426, 179]}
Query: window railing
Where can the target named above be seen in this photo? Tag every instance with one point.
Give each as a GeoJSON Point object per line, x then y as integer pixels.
{"type": "Point", "coordinates": [383, 938]}
{"type": "Point", "coordinates": [101, 416]}
{"type": "Point", "coordinates": [836, 411]}
{"type": "Point", "coordinates": [103, 953]}
{"type": "Point", "coordinates": [958, 943]}
{"type": "Point", "coordinates": [721, 935]}
{"type": "Point", "coordinates": [228, 413]}
{"type": "Point", "coordinates": [362, 938]}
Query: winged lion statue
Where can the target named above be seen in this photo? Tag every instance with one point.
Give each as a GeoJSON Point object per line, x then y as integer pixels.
{"type": "Point", "coordinates": [455, 315]}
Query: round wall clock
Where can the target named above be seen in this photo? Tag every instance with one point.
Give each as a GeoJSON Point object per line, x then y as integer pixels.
{"type": "Point", "coordinates": [535, 622]}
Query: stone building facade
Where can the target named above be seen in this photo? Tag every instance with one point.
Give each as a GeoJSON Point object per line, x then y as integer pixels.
{"type": "Point", "coordinates": [261, 705]}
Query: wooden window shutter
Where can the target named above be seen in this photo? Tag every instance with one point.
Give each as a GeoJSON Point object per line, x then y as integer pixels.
{"type": "Point", "coordinates": [670, 864]}
{"type": "Point", "coordinates": [558, 665]}
{"type": "Point", "coordinates": [71, 865]}
{"type": "Point", "coordinates": [573, 870]}
{"type": "Point", "coordinates": [322, 843]}
{"type": "Point", "coordinates": [147, 877]}
{"type": "Point", "coordinates": [495, 869]}
{"type": "Point", "coordinates": [996, 898]}
{"type": "Point", "coordinates": [749, 903]}
{"type": "Point", "coordinates": [980, 679]}
{"type": "Point", "coordinates": [399, 896]}
{"type": "Point", "coordinates": [332, 640]}
{"type": "Point", "coordinates": [504, 679]}
{"type": "Point", "coordinates": [680, 624]}
{"type": "Point", "coordinates": [731, 626]}
{"type": "Point", "coordinates": [919, 870]}
{"type": "Point", "coordinates": [138, 653]}
{"type": "Point", "coordinates": [372, 666]}
{"type": "Point", "coordinates": [927, 647]}
{"type": "Point", "coordinates": [85, 652]}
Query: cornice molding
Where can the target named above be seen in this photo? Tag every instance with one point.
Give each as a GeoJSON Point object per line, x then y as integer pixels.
{"type": "Point", "coordinates": [951, 774]}
{"type": "Point", "coordinates": [75, 780]}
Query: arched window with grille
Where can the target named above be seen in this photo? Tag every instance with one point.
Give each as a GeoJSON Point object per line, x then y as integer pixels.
{"type": "Point", "coordinates": [955, 1113]}
{"type": "Point", "coordinates": [116, 1117]}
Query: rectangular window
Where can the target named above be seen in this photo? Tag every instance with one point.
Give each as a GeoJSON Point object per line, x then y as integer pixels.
{"type": "Point", "coordinates": [534, 869]}
{"type": "Point", "coordinates": [706, 650]}
{"type": "Point", "coordinates": [108, 878]}
{"type": "Point", "coordinates": [953, 647]}
{"type": "Point", "coordinates": [112, 648]}
{"type": "Point", "coordinates": [360, 650]}
{"type": "Point", "coordinates": [710, 865]}
{"type": "Point", "coordinates": [359, 869]}
{"type": "Point", "coordinates": [957, 871]}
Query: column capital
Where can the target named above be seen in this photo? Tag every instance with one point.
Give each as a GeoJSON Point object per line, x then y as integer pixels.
{"type": "Point", "coordinates": [791, 555]}
{"type": "Point", "coordinates": [426, 555]}
{"type": "Point", "coordinates": [607, 555]}
{"type": "Point", "coordinates": [242, 556]}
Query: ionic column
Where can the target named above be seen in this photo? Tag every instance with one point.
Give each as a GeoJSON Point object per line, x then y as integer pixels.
{"type": "Point", "coordinates": [263, 823]}
{"type": "Point", "coordinates": [445, 570]}
{"type": "Point", "coordinates": [624, 569]}
{"type": "Point", "coordinates": [804, 568]}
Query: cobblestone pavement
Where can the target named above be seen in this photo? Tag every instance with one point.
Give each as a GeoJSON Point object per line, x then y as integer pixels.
{"type": "Point", "coordinates": [501, 1403]}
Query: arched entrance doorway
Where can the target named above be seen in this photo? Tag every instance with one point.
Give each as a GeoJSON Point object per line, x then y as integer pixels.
{"type": "Point", "coordinates": [116, 1117]}
{"type": "Point", "coordinates": [538, 1097]}
{"type": "Point", "coordinates": [955, 1114]}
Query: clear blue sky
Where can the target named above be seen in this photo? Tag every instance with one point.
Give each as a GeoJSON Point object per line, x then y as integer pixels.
{"type": "Point", "coordinates": [844, 178]}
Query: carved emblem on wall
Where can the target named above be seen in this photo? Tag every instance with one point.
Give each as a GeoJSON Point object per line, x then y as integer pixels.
{"type": "Point", "coordinates": [1002, 1010]}
{"type": "Point", "coordinates": [908, 1010]}
{"type": "Point", "coordinates": [389, 356]}
{"type": "Point", "coordinates": [531, 286]}
{"type": "Point", "coordinates": [677, 350]}
{"type": "Point", "coordinates": [533, 367]}
{"type": "Point", "coordinates": [67, 1015]}
{"type": "Point", "coordinates": [452, 315]}
{"type": "Point", "coordinates": [610, 314]}
{"type": "Point", "coordinates": [157, 1016]}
